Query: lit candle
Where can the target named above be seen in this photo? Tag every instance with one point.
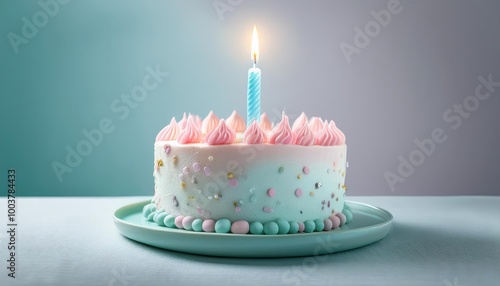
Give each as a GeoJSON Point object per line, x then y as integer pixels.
{"type": "Point", "coordinates": [253, 92]}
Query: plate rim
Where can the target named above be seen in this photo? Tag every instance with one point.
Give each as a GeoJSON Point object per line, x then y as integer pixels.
{"type": "Point", "coordinates": [387, 220]}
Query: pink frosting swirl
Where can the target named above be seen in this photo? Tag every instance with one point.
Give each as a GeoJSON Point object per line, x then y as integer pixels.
{"type": "Point", "coordinates": [168, 132]}
{"type": "Point", "coordinates": [315, 124]}
{"type": "Point", "coordinates": [254, 134]}
{"type": "Point", "coordinates": [191, 133]}
{"type": "Point", "coordinates": [305, 136]}
{"type": "Point", "coordinates": [265, 123]}
{"type": "Point", "coordinates": [338, 133]}
{"type": "Point", "coordinates": [326, 137]}
{"type": "Point", "coordinates": [182, 123]}
{"type": "Point", "coordinates": [198, 121]}
{"type": "Point", "coordinates": [236, 122]}
{"type": "Point", "coordinates": [222, 134]}
{"type": "Point", "coordinates": [209, 123]}
{"type": "Point", "coordinates": [282, 133]}
{"type": "Point", "coordinates": [299, 122]}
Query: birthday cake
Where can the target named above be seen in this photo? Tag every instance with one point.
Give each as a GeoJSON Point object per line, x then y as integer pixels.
{"type": "Point", "coordinates": [219, 175]}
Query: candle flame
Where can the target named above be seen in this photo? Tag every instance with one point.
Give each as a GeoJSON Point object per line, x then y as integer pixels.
{"type": "Point", "coordinates": [255, 46]}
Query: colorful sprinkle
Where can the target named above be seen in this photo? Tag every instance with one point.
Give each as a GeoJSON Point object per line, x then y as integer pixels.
{"type": "Point", "coordinates": [251, 189]}
{"type": "Point", "coordinates": [252, 198]}
{"type": "Point", "coordinates": [166, 147]}
{"type": "Point", "coordinates": [194, 181]}
{"type": "Point", "coordinates": [240, 202]}
{"type": "Point", "coordinates": [185, 170]}
{"type": "Point", "coordinates": [267, 209]}
{"type": "Point", "coordinates": [196, 166]}
{"type": "Point", "coordinates": [317, 185]}
{"type": "Point", "coordinates": [233, 182]}
{"type": "Point", "coordinates": [271, 192]}
{"type": "Point", "coordinates": [299, 176]}
{"type": "Point", "coordinates": [160, 163]}
{"type": "Point", "coordinates": [237, 209]}
{"type": "Point", "coordinates": [176, 202]}
{"type": "Point", "coordinates": [210, 158]}
{"type": "Point", "coordinates": [281, 169]}
{"type": "Point", "coordinates": [230, 175]}
{"type": "Point", "coordinates": [207, 171]}
{"type": "Point", "coordinates": [183, 184]}
{"type": "Point", "coordinates": [305, 170]}
{"type": "Point", "coordinates": [298, 192]}
{"type": "Point", "coordinates": [174, 160]}
{"type": "Point", "coordinates": [311, 194]}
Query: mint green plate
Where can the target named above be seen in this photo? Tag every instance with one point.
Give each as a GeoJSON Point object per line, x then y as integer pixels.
{"type": "Point", "coordinates": [370, 224]}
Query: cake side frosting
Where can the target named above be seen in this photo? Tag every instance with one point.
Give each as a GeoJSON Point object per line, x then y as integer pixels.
{"type": "Point", "coordinates": [251, 181]}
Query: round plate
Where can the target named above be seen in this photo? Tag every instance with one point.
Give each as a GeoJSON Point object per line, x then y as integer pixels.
{"type": "Point", "coordinates": [369, 224]}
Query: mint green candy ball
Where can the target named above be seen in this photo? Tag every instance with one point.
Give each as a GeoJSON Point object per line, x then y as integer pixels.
{"type": "Point", "coordinates": [197, 225]}
{"type": "Point", "coordinates": [169, 221]}
{"type": "Point", "coordinates": [309, 226]}
{"type": "Point", "coordinates": [348, 215]}
{"type": "Point", "coordinates": [294, 227]}
{"type": "Point", "coordinates": [160, 217]}
{"type": "Point", "coordinates": [319, 225]}
{"type": "Point", "coordinates": [283, 226]}
{"type": "Point", "coordinates": [256, 227]}
{"type": "Point", "coordinates": [222, 226]}
{"type": "Point", "coordinates": [271, 228]}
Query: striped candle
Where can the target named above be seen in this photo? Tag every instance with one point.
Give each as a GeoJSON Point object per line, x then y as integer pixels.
{"type": "Point", "coordinates": [253, 91]}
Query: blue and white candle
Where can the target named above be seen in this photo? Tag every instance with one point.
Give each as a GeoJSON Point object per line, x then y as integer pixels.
{"type": "Point", "coordinates": [253, 92]}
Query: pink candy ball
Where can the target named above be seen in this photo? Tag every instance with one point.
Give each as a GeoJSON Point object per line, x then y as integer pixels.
{"type": "Point", "coordinates": [208, 225]}
{"type": "Point", "coordinates": [328, 224]}
{"type": "Point", "coordinates": [301, 227]}
{"type": "Point", "coordinates": [178, 221]}
{"type": "Point", "coordinates": [240, 227]}
{"type": "Point", "coordinates": [187, 222]}
{"type": "Point", "coordinates": [342, 218]}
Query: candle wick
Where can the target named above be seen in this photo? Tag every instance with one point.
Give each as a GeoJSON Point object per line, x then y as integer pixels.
{"type": "Point", "coordinates": [254, 60]}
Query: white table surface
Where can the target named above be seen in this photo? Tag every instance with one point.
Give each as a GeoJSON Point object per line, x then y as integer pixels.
{"type": "Point", "coordinates": [446, 241]}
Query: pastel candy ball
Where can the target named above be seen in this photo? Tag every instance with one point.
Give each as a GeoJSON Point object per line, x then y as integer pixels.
{"type": "Point", "coordinates": [187, 222]}
{"type": "Point", "coordinates": [178, 221]}
{"type": "Point", "coordinates": [222, 226]}
{"type": "Point", "coordinates": [309, 226]}
{"type": "Point", "coordinates": [208, 225]}
{"type": "Point", "coordinates": [348, 216]}
{"type": "Point", "coordinates": [328, 224]}
{"type": "Point", "coordinates": [283, 226]}
{"type": "Point", "coordinates": [256, 227]}
{"type": "Point", "coordinates": [347, 207]}
{"type": "Point", "coordinates": [342, 218]}
{"type": "Point", "coordinates": [271, 228]}
{"type": "Point", "coordinates": [319, 225]}
{"type": "Point", "coordinates": [335, 221]}
{"type": "Point", "coordinates": [160, 217]}
{"type": "Point", "coordinates": [294, 227]}
{"type": "Point", "coordinates": [301, 227]}
{"type": "Point", "coordinates": [147, 209]}
{"type": "Point", "coordinates": [151, 216]}
{"type": "Point", "coordinates": [240, 227]}
{"type": "Point", "coordinates": [197, 225]}
{"type": "Point", "coordinates": [155, 216]}
{"type": "Point", "coordinates": [169, 221]}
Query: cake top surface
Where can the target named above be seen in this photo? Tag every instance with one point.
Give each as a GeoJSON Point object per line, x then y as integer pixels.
{"type": "Point", "coordinates": [215, 131]}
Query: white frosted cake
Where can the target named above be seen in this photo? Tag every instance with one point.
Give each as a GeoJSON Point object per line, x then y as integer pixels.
{"type": "Point", "coordinates": [221, 176]}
